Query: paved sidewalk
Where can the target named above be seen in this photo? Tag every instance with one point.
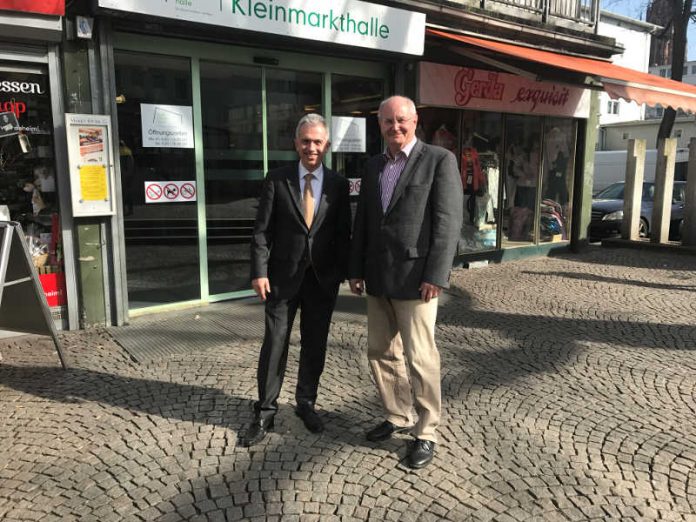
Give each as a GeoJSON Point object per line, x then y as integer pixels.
{"type": "Point", "coordinates": [569, 390]}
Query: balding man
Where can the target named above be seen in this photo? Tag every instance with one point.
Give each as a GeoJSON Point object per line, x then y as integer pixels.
{"type": "Point", "coordinates": [405, 235]}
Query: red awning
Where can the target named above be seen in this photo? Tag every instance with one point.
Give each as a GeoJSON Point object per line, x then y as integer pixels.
{"type": "Point", "coordinates": [618, 82]}
{"type": "Point", "coordinates": [49, 7]}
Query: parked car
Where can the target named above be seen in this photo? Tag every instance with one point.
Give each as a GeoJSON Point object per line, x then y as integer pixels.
{"type": "Point", "coordinates": [607, 211]}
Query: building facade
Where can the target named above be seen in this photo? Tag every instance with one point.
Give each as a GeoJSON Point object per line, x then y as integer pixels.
{"type": "Point", "coordinates": [635, 37]}
{"type": "Point", "coordinates": [33, 177]}
{"type": "Point", "coordinates": [176, 110]}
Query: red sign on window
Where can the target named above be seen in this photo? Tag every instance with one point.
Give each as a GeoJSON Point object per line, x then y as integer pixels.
{"type": "Point", "coordinates": [50, 7]}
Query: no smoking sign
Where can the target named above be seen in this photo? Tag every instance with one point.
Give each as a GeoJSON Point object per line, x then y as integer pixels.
{"type": "Point", "coordinates": [170, 191]}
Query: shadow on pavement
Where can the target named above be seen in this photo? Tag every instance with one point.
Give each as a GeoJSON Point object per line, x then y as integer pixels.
{"type": "Point", "coordinates": [615, 280]}
{"type": "Point", "coordinates": [630, 258]}
{"type": "Point", "coordinates": [169, 400]}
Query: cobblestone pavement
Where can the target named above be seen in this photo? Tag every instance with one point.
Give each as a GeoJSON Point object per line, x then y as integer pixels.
{"type": "Point", "coordinates": [569, 390]}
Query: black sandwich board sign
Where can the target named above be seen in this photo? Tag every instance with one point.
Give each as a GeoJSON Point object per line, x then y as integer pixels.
{"type": "Point", "coordinates": [23, 306]}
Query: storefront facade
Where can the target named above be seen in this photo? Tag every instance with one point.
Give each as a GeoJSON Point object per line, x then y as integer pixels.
{"type": "Point", "coordinates": [33, 184]}
{"type": "Point", "coordinates": [516, 140]}
{"type": "Point", "coordinates": [203, 101]}
{"type": "Point", "coordinates": [199, 121]}
{"type": "Point", "coordinates": [200, 100]}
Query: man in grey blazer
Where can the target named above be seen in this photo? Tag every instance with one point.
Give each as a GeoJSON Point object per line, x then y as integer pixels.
{"type": "Point", "coordinates": [299, 254]}
{"type": "Point", "coordinates": [405, 235]}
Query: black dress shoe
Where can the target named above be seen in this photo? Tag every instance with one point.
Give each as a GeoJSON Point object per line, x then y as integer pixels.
{"type": "Point", "coordinates": [310, 417]}
{"type": "Point", "coordinates": [257, 431]}
{"type": "Point", "coordinates": [384, 431]}
{"type": "Point", "coordinates": [420, 453]}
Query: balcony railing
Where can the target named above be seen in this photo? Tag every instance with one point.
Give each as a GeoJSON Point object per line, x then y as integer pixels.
{"type": "Point", "coordinates": [585, 12]}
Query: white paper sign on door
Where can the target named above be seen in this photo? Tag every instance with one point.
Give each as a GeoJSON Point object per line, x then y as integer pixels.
{"type": "Point", "coordinates": [348, 134]}
{"type": "Point", "coordinates": [167, 126]}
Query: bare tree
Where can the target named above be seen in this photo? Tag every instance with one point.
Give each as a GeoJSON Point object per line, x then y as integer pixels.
{"type": "Point", "coordinates": [681, 15]}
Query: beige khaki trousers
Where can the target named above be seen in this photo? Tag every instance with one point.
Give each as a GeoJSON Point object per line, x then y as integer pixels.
{"type": "Point", "coordinates": [398, 328]}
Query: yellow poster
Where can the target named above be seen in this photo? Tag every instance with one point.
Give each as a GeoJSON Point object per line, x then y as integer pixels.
{"type": "Point", "coordinates": [93, 183]}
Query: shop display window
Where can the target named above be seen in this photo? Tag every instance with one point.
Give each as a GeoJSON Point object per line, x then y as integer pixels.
{"type": "Point", "coordinates": [522, 164]}
{"type": "Point", "coordinates": [474, 138]}
{"type": "Point", "coordinates": [28, 189]}
{"type": "Point", "coordinates": [516, 171]}
{"type": "Point", "coordinates": [557, 179]}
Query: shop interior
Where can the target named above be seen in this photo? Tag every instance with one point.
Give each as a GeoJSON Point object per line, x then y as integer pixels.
{"type": "Point", "coordinates": [28, 191]}
{"type": "Point", "coordinates": [517, 174]}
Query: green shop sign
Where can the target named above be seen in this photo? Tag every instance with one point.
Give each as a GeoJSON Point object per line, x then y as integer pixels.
{"type": "Point", "coordinates": [346, 22]}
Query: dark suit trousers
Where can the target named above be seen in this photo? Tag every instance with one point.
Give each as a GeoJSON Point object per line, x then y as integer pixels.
{"type": "Point", "coordinates": [316, 305]}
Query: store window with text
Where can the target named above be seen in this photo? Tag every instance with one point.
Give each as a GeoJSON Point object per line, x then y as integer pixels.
{"type": "Point", "coordinates": [155, 125]}
{"type": "Point", "coordinates": [28, 189]}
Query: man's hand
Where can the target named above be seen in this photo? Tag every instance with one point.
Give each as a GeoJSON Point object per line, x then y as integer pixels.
{"type": "Point", "coordinates": [262, 287]}
{"type": "Point", "coordinates": [357, 286]}
{"type": "Point", "coordinates": [429, 291]}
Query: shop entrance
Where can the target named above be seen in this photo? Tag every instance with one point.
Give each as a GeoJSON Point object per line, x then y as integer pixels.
{"type": "Point", "coordinates": [217, 127]}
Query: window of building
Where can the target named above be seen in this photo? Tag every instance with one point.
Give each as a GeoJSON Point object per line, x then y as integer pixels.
{"type": "Point", "coordinates": [613, 107]}
{"type": "Point", "coordinates": [693, 69]}
{"type": "Point", "coordinates": [28, 188]}
{"type": "Point", "coordinates": [663, 72]}
{"type": "Point", "coordinates": [625, 136]}
{"type": "Point", "coordinates": [678, 133]}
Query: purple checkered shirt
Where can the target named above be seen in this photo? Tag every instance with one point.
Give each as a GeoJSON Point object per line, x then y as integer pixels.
{"type": "Point", "coordinates": [391, 173]}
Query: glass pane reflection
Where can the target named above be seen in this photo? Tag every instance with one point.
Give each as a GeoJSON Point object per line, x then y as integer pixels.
{"type": "Point", "coordinates": [289, 95]}
{"type": "Point", "coordinates": [162, 260]}
{"type": "Point", "coordinates": [557, 180]}
{"type": "Point", "coordinates": [233, 154]}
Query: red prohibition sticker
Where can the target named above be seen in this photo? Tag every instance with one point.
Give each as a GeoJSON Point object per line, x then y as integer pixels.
{"type": "Point", "coordinates": [153, 192]}
{"type": "Point", "coordinates": [188, 191]}
{"type": "Point", "coordinates": [171, 191]}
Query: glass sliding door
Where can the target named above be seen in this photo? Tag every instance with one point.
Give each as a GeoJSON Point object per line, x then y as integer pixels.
{"type": "Point", "coordinates": [289, 96]}
{"type": "Point", "coordinates": [356, 101]}
{"type": "Point", "coordinates": [161, 231]}
{"type": "Point", "coordinates": [209, 117]}
{"type": "Point", "coordinates": [231, 98]}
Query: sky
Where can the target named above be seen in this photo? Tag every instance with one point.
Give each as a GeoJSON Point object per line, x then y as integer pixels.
{"type": "Point", "coordinates": [636, 9]}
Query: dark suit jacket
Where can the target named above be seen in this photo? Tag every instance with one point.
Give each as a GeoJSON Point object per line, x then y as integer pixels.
{"type": "Point", "coordinates": [416, 239]}
{"type": "Point", "coordinates": [281, 245]}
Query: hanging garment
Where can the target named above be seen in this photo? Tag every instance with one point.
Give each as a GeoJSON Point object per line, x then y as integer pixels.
{"type": "Point", "coordinates": [473, 178]}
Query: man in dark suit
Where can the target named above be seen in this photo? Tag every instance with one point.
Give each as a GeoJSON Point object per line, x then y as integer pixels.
{"type": "Point", "coordinates": [405, 235]}
{"type": "Point", "coordinates": [299, 254]}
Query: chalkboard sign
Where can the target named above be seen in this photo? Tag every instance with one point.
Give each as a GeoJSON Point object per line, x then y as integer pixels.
{"type": "Point", "coordinates": [23, 306]}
